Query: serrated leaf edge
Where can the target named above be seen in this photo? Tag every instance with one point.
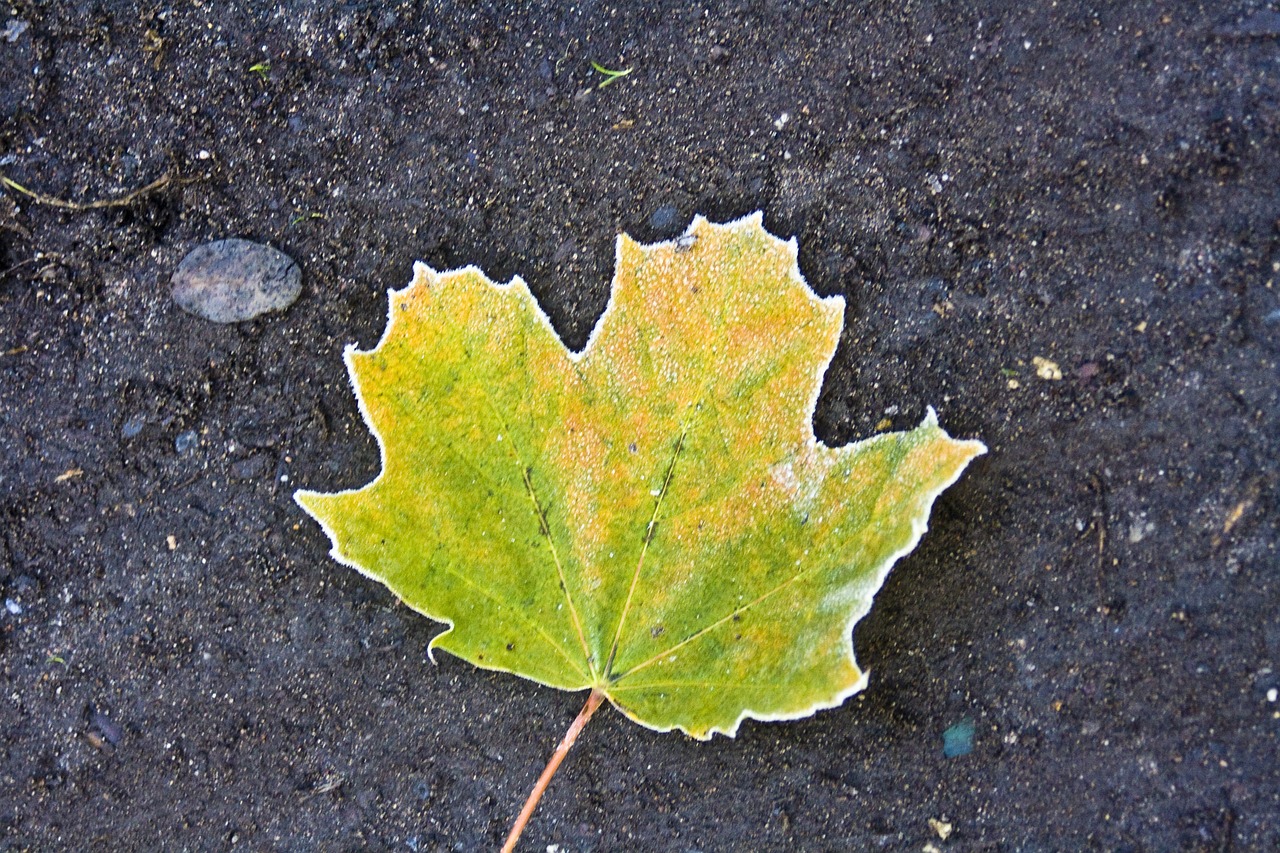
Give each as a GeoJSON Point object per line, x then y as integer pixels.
{"type": "Point", "coordinates": [919, 526]}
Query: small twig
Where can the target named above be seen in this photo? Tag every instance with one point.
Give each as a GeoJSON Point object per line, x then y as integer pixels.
{"type": "Point", "coordinates": [568, 47]}
{"type": "Point", "coordinates": [18, 265]}
{"type": "Point", "coordinates": [1099, 523]}
{"type": "Point", "coordinates": [593, 702]}
{"type": "Point", "coordinates": [122, 201]}
{"type": "Point", "coordinates": [331, 783]}
{"type": "Point", "coordinates": [1247, 500]}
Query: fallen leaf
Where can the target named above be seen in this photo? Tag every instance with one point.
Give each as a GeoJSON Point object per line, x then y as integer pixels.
{"type": "Point", "coordinates": [69, 474]}
{"type": "Point", "coordinates": [652, 517]}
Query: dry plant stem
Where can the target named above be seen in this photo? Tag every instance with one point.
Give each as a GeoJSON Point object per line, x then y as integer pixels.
{"type": "Point", "coordinates": [593, 702]}
{"type": "Point", "coordinates": [123, 201]}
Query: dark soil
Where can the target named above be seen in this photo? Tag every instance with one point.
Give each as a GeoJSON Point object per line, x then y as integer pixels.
{"type": "Point", "coordinates": [986, 181]}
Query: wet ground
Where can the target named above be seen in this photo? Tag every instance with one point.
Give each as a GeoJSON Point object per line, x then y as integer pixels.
{"type": "Point", "coordinates": [1093, 185]}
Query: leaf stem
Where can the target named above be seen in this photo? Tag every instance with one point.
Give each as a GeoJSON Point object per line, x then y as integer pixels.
{"type": "Point", "coordinates": [593, 702]}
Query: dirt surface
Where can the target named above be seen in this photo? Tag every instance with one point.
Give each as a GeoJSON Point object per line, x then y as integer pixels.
{"type": "Point", "coordinates": [987, 182]}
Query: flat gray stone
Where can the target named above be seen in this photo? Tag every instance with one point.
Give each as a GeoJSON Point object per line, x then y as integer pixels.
{"type": "Point", "coordinates": [664, 218]}
{"type": "Point", "coordinates": [251, 468]}
{"type": "Point", "coordinates": [230, 281]}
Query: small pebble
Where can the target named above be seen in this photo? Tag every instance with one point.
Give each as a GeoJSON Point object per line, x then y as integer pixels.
{"type": "Point", "coordinates": [958, 740]}
{"type": "Point", "coordinates": [110, 729]}
{"type": "Point", "coordinates": [14, 30]}
{"type": "Point", "coordinates": [249, 469]}
{"type": "Point", "coordinates": [230, 281]}
{"type": "Point", "coordinates": [186, 441]}
{"type": "Point", "coordinates": [564, 250]}
{"type": "Point", "coordinates": [13, 607]}
{"type": "Point", "coordinates": [1047, 369]}
{"type": "Point", "coordinates": [664, 218]}
{"type": "Point", "coordinates": [133, 426]}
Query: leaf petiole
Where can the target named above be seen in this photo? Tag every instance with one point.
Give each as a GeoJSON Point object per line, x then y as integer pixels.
{"type": "Point", "coordinates": [580, 722]}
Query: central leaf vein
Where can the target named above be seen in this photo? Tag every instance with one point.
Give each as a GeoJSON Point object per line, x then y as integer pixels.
{"type": "Point", "coordinates": [644, 549]}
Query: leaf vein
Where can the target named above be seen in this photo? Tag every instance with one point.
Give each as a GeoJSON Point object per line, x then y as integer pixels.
{"type": "Point", "coordinates": [524, 617]}
{"type": "Point", "coordinates": [545, 529]}
{"type": "Point", "coordinates": [803, 573]}
{"type": "Point", "coordinates": [644, 550]}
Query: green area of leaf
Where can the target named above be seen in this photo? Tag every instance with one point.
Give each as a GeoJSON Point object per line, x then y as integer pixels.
{"type": "Point", "coordinates": [651, 518]}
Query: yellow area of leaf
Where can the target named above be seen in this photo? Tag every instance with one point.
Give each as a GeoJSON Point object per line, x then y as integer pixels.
{"type": "Point", "coordinates": [651, 517]}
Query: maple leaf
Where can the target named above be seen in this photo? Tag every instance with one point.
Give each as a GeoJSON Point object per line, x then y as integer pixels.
{"type": "Point", "coordinates": [651, 518]}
